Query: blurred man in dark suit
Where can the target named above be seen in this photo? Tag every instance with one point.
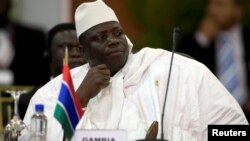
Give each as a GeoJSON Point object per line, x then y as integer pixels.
{"type": "Point", "coordinates": [59, 37]}
{"type": "Point", "coordinates": [222, 43]}
{"type": "Point", "coordinates": [21, 52]}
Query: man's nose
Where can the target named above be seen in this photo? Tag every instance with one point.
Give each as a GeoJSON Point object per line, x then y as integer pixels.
{"type": "Point", "coordinates": [112, 41]}
{"type": "Point", "coordinates": [74, 51]}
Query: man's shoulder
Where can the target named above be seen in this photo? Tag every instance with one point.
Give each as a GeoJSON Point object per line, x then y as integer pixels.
{"type": "Point", "coordinates": [53, 85]}
{"type": "Point", "coordinates": [187, 61]}
{"type": "Point", "coordinates": [179, 59]}
{"type": "Point", "coordinates": [49, 89]}
{"type": "Point", "coordinates": [182, 62]}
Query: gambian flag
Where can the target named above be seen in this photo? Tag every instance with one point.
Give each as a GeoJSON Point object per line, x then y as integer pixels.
{"type": "Point", "coordinates": [68, 110]}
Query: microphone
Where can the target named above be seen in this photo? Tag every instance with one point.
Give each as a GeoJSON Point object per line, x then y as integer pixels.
{"type": "Point", "coordinates": [176, 34]}
{"type": "Point", "coordinates": [153, 129]}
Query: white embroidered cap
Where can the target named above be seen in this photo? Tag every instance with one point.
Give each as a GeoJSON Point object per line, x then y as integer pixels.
{"type": "Point", "coordinates": [90, 14]}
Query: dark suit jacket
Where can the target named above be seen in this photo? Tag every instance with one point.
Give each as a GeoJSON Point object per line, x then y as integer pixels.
{"type": "Point", "coordinates": [29, 66]}
{"type": "Point", "coordinates": [25, 100]}
{"type": "Point", "coordinates": [189, 45]}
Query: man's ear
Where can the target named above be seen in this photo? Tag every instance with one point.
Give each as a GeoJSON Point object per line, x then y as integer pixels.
{"type": "Point", "coordinates": [83, 47]}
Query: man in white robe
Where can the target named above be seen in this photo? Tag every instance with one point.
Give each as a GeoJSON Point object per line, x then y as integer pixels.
{"type": "Point", "coordinates": [131, 94]}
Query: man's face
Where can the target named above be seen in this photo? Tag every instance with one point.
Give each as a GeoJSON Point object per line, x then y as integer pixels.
{"type": "Point", "coordinates": [62, 39]}
{"type": "Point", "coordinates": [106, 44]}
{"type": "Point", "coordinates": [224, 12]}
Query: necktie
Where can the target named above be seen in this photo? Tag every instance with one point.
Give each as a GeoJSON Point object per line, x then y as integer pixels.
{"type": "Point", "coordinates": [227, 69]}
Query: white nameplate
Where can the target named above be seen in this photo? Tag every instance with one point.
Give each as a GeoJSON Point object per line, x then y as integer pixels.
{"type": "Point", "coordinates": [100, 135]}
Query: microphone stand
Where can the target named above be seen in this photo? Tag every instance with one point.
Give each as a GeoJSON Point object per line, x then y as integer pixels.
{"type": "Point", "coordinates": [153, 129]}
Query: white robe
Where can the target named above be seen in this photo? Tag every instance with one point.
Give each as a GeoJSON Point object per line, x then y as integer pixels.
{"type": "Point", "coordinates": [134, 99]}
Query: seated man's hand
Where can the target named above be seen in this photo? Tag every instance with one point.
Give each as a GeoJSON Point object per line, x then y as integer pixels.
{"type": "Point", "coordinates": [96, 79]}
{"type": "Point", "coordinates": [208, 28]}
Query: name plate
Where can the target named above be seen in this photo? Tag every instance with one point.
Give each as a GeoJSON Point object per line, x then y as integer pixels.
{"type": "Point", "coordinates": [100, 135]}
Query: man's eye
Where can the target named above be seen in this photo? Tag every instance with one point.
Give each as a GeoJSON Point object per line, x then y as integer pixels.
{"type": "Point", "coordinates": [101, 37]}
{"type": "Point", "coordinates": [118, 33]}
